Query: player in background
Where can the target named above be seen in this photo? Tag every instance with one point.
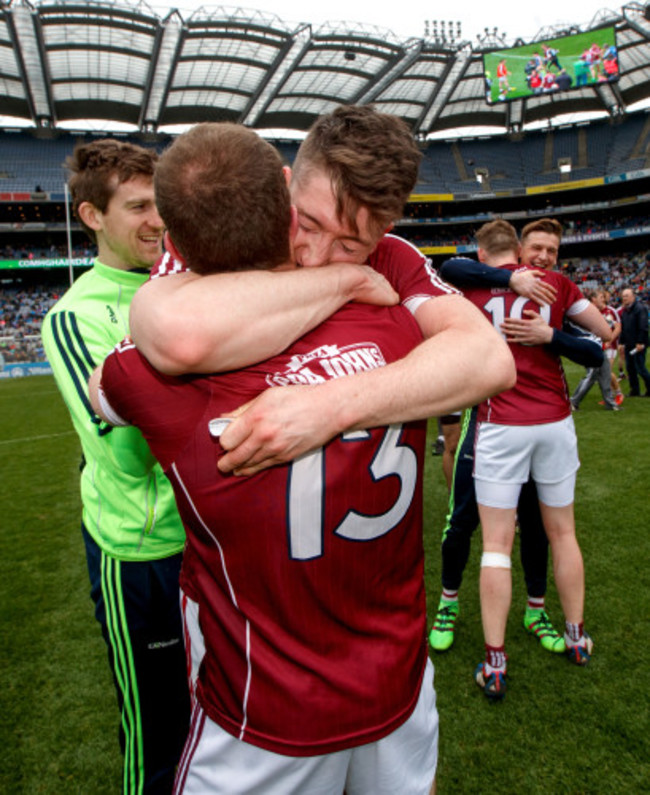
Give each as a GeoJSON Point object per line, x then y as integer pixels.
{"type": "Point", "coordinates": [548, 82]}
{"type": "Point", "coordinates": [292, 694]}
{"type": "Point", "coordinates": [349, 183]}
{"type": "Point", "coordinates": [611, 351]}
{"type": "Point", "coordinates": [502, 76]}
{"type": "Point", "coordinates": [540, 245]}
{"type": "Point", "coordinates": [446, 443]}
{"type": "Point", "coordinates": [536, 61]}
{"type": "Point", "coordinates": [551, 57]}
{"type": "Point", "coordinates": [603, 374]}
{"type": "Point", "coordinates": [131, 528]}
{"type": "Point", "coordinates": [527, 431]}
{"type": "Point", "coordinates": [593, 55]}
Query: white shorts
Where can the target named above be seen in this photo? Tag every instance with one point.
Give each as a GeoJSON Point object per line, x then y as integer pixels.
{"type": "Point", "coordinates": [610, 353]}
{"type": "Point", "coordinates": [405, 761]}
{"type": "Point", "coordinates": [505, 456]}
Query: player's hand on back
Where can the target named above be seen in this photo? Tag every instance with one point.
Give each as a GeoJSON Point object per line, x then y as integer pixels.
{"type": "Point", "coordinates": [372, 287]}
{"type": "Point", "coordinates": [277, 426]}
{"type": "Point", "coordinates": [531, 330]}
{"type": "Point", "coordinates": [531, 285]}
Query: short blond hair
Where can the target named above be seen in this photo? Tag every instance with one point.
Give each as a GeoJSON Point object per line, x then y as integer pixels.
{"type": "Point", "coordinates": [548, 225]}
{"type": "Point", "coordinates": [498, 237]}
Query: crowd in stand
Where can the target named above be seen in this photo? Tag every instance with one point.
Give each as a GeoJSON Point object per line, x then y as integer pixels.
{"type": "Point", "coordinates": [31, 252]}
{"type": "Point", "coordinates": [22, 309]}
{"type": "Point", "coordinates": [447, 236]}
{"type": "Point", "coordinates": [21, 314]}
{"type": "Point", "coordinates": [612, 272]}
{"type": "Point", "coordinates": [587, 226]}
{"type": "Point", "coordinates": [464, 236]}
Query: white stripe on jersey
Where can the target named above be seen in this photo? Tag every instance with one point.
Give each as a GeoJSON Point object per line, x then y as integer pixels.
{"type": "Point", "coordinates": [431, 271]}
{"type": "Point", "coordinates": [233, 598]}
{"type": "Point", "coordinates": [415, 302]}
{"type": "Point", "coordinates": [577, 307]}
{"type": "Point", "coordinates": [112, 417]}
{"type": "Point", "coordinates": [167, 265]}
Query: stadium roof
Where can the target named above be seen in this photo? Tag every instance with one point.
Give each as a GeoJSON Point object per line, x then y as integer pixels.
{"type": "Point", "coordinates": [64, 60]}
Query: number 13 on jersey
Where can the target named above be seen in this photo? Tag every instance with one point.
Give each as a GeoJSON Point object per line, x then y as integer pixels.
{"type": "Point", "coordinates": [306, 494]}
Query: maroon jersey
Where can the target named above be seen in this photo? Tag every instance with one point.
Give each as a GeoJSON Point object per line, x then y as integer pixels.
{"type": "Point", "coordinates": [408, 271]}
{"type": "Point", "coordinates": [541, 394]}
{"type": "Point", "coordinates": [309, 576]}
{"type": "Point", "coordinates": [612, 318]}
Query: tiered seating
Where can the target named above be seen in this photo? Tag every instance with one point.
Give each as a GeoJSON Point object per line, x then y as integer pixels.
{"type": "Point", "coordinates": [447, 167]}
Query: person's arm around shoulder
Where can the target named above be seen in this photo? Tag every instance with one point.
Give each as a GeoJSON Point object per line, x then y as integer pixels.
{"type": "Point", "coordinates": [186, 323]}
{"type": "Point", "coordinates": [578, 345]}
{"type": "Point", "coordinates": [592, 319]}
{"type": "Point", "coordinates": [465, 272]}
{"type": "Point", "coordinates": [462, 361]}
{"type": "Point", "coordinates": [582, 348]}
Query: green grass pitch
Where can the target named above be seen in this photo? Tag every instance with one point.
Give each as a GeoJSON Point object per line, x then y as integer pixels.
{"type": "Point", "coordinates": [561, 729]}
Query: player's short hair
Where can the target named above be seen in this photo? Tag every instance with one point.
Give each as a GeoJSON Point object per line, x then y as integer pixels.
{"type": "Point", "coordinates": [98, 168]}
{"type": "Point", "coordinates": [498, 237]}
{"type": "Point", "coordinates": [371, 158]}
{"type": "Point", "coordinates": [222, 194]}
{"type": "Point", "coordinates": [548, 225]}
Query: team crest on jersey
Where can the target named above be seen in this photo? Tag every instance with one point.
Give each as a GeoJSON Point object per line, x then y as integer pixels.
{"type": "Point", "coordinates": [326, 362]}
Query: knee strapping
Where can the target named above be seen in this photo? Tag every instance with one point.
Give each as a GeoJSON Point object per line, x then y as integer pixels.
{"type": "Point", "coordinates": [495, 560]}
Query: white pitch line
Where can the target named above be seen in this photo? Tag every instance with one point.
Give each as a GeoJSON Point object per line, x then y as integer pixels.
{"type": "Point", "coordinates": [36, 438]}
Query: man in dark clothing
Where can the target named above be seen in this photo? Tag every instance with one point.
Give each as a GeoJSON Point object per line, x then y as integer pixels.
{"type": "Point", "coordinates": [563, 80]}
{"type": "Point", "coordinates": [634, 339]}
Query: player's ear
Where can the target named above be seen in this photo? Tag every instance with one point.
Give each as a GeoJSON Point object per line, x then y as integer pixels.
{"type": "Point", "coordinates": [90, 215]}
{"type": "Point", "coordinates": [389, 228]}
{"type": "Point", "coordinates": [287, 174]}
{"type": "Point", "coordinates": [293, 225]}
{"type": "Point", "coordinates": [481, 254]}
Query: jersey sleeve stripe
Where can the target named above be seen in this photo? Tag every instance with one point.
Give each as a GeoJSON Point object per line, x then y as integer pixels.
{"type": "Point", "coordinates": [577, 307]}
{"type": "Point", "coordinates": [65, 333]}
{"type": "Point", "coordinates": [436, 281]}
{"type": "Point", "coordinates": [80, 341]}
{"type": "Point", "coordinates": [65, 347]}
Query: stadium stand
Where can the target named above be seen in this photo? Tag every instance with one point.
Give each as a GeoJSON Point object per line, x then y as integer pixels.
{"type": "Point", "coordinates": [470, 175]}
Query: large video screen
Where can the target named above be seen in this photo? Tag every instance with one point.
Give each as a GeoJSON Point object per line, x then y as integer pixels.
{"type": "Point", "coordinates": [551, 66]}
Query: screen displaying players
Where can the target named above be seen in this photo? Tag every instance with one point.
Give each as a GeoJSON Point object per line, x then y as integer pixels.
{"type": "Point", "coordinates": [551, 65]}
